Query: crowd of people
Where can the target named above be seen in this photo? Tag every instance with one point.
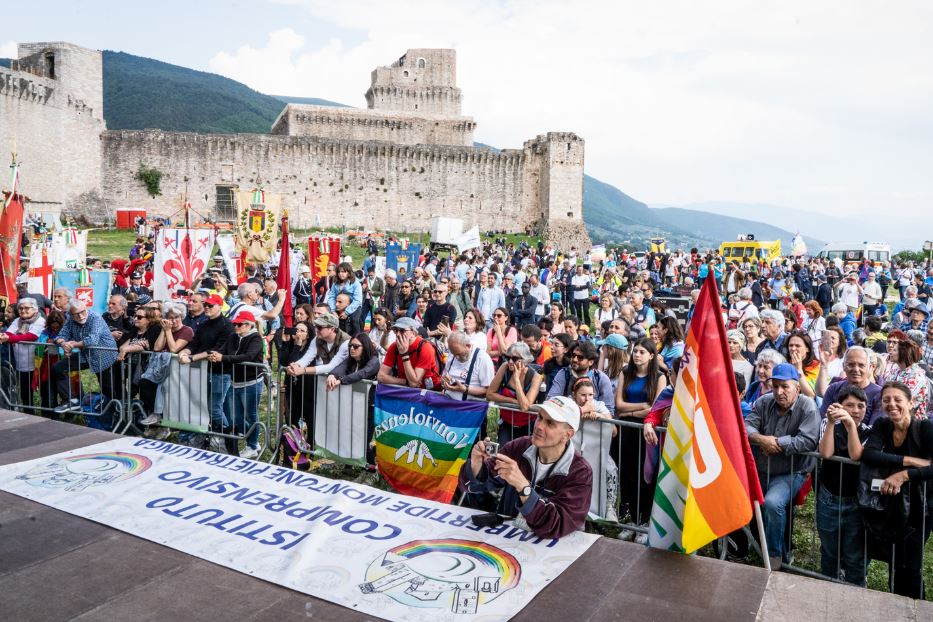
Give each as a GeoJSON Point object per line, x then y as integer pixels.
{"type": "Point", "coordinates": [553, 339]}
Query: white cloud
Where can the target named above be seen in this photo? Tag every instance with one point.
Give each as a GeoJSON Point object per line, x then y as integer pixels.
{"type": "Point", "coordinates": [8, 50]}
{"type": "Point", "coordinates": [678, 101]}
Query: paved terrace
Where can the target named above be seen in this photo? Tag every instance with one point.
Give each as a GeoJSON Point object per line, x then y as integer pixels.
{"type": "Point", "coordinates": [55, 566]}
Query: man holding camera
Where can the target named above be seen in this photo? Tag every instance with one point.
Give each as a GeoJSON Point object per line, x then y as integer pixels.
{"type": "Point", "coordinates": [545, 483]}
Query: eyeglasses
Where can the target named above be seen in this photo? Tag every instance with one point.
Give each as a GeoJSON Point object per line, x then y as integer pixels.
{"type": "Point", "coordinates": [141, 317]}
{"type": "Point", "coordinates": [356, 346]}
{"type": "Point", "coordinates": [498, 315]}
{"type": "Point", "coordinates": [579, 357]}
{"type": "Point", "coordinates": [513, 359]}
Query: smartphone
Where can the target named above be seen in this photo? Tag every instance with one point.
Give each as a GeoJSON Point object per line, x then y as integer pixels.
{"type": "Point", "coordinates": [876, 485]}
{"type": "Point", "coordinates": [181, 291]}
{"type": "Point", "coordinates": [289, 330]}
{"type": "Point", "coordinates": [492, 449]}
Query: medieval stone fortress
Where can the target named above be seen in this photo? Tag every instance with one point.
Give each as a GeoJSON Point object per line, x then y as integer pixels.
{"type": "Point", "coordinates": [405, 158]}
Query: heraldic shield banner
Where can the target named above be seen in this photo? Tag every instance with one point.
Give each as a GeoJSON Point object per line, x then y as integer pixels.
{"type": "Point", "coordinates": [257, 222]}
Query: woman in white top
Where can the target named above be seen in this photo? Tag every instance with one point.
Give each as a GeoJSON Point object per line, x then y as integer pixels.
{"type": "Point", "coordinates": [606, 313]}
{"type": "Point", "coordinates": [814, 324]}
{"type": "Point", "coordinates": [736, 340]}
{"type": "Point", "coordinates": [380, 334]}
{"type": "Point", "coordinates": [473, 325]}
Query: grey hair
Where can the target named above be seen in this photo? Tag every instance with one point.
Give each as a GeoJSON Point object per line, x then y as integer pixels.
{"type": "Point", "coordinates": [840, 307]}
{"type": "Point", "coordinates": [770, 356]}
{"type": "Point", "coordinates": [173, 306]}
{"type": "Point", "coordinates": [745, 293]}
{"type": "Point", "coordinates": [459, 337]}
{"type": "Point", "coordinates": [31, 302]}
{"type": "Point", "coordinates": [62, 289]}
{"type": "Point", "coordinates": [120, 299]}
{"type": "Point", "coordinates": [245, 289]}
{"type": "Point", "coordinates": [774, 315]}
{"type": "Point", "coordinates": [849, 351]}
{"type": "Point", "coordinates": [519, 348]}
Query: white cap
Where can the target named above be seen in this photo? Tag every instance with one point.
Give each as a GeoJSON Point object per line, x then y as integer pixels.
{"type": "Point", "coordinates": [561, 408]}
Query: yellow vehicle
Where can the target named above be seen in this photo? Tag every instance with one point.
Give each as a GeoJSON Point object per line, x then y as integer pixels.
{"type": "Point", "coordinates": [656, 246]}
{"type": "Point", "coordinates": [748, 246]}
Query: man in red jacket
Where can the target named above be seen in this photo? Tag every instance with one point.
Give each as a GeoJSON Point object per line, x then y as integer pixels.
{"type": "Point", "coordinates": [546, 483]}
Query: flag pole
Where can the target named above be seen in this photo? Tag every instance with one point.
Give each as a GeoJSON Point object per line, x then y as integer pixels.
{"type": "Point", "coordinates": [761, 536]}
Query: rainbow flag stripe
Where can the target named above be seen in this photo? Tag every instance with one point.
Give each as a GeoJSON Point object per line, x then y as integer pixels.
{"type": "Point", "coordinates": [133, 463]}
{"type": "Point", "coordinates": [501, 563]}
{"type": "Point", "coordinates": [423, 438]}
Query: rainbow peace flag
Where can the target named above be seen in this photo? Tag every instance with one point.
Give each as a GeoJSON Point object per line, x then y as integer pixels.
{"type": "Point", "coordinates": [423, 438]}
{"type": "Point", "coordinates": [707, 479]}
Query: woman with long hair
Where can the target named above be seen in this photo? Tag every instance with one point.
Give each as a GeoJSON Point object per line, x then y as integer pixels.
{"type": "Point", "coordinates": [298, 391]}
{"type": "Point", "coordinates": [557, 316]}
{"type": "Point", "coordinates": [473, 325]}
{"type": "Point", "coordinates": [560, 356]}
{"type": "Point", "coordinates": [614, 356]}
{"type": "Point", "coordinates": [380, 334]}
{"type": "Point", "coordinates": [346, 282]}
{"type": "Point", "coordinates": [903, 366]}
{"type": "Point", "coordinates": [671, 338]}
{"type": "Point", "coordinates": [736, 340]}
{"type": "Point", "coordinates": [800, 354]}
{"type": "Point", "coordinates": [639, 386]}
{"type": "Point", "coordinates": [501, 335]}
{"type": "Point", "coordinates": [361, 364]}
{"type": "Point", "coordinates": [900, 447]}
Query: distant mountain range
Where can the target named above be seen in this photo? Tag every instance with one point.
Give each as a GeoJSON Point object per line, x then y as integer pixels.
{"type": "Point", "coordinates": [142, 93]}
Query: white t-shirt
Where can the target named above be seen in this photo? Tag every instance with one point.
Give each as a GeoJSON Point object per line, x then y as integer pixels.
{"type": "Point", "coordinates": [483, 372]}
{"type": "Point", "coordinates": [848, 294]}
{"type": "Point", "coordinates": [543, 295]}
{"type": "Point", "coordinates": [581, 279]}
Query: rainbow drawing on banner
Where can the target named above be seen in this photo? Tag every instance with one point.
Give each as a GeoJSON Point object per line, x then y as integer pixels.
{"type": "Point", "coordinates": [423, 438]}
{"type": "Point", "coordinates": [77, 473]}
{"type": "Point", "coordinates": [506, 566]}
{"type": "Point", "coordinates": [445, 573]}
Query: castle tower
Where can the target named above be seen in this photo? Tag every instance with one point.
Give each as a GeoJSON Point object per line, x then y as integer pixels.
{"type": "Point", "coordinates": [423, 81]}
{"type": "Point", "coordinates": [561, 190]}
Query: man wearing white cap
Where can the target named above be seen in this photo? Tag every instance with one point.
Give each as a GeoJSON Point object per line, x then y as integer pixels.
{"type": "Point", "coordinates": [545, 483]}
{"type": "Point", "coordinates": [304, 287]}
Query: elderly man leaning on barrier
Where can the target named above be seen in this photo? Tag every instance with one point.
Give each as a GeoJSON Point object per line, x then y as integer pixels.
{"type": "Point", "coordinates": [782, 426]}
{"type": "Point", "coordinates": [468, 370]}
{"type": "Point", "coordinates": [86, 340]}
{"type": "Point", "coordinates": [544, 481]}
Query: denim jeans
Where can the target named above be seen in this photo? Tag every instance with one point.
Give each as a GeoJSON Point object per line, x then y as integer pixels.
{"type": "Point", "coordinates": [246, 411]}
{"type": "Point", "coordinates": [778, 496]}
{"type": "Point", "coordinates": [220, 396]}
{"type": "Point", "coordinates": [842, 537]}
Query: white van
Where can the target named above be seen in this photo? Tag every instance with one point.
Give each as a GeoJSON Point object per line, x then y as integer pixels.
{"type": "Point", "coordinates": [852, 253]}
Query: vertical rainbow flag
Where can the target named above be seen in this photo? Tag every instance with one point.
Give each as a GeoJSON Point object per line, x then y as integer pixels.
{"type": "Point", "coordinates": [799, 246]}
{"type": "Point", "coordinates": [423, 438]}
{"type": "Point", "coordinates": [707, 479]}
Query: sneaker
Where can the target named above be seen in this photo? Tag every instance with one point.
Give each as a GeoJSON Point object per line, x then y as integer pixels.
{"type": "Point", "coordinates": [641, 538]}
{"type": "Point", "coordinates": [161, 434]}
{"type": "Point", "coordinates": [249, 453]}
{"type": "Point", "coordinates": [626, 534]}
{"type": "Point", "coordinates": [72, 404]}
{"type": "Point", "coordinates": [217, 445]}
{"type": "Point", "coordinates": [150, 420]}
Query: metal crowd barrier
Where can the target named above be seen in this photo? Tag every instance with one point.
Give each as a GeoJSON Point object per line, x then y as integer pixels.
{"type": "Point", "coordinates": [198, 403]}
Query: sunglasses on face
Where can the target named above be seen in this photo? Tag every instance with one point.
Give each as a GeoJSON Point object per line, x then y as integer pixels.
{"type": "Point", "coordinates": [513, 359]}
{"type": "Point", "coordinates": [578, 357]}
{"type": "Point", "coordinates": [356, 346]}
{"type": "Point", "coordinates": [208, 305]}
{"type": "Point", "coordinates": [498, 315]}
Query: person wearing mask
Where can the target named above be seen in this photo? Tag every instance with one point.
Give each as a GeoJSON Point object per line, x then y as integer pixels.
{"type": "Point", "coordinates": [783, 427]}
{"type": "Point", "coordinates": [545, 482]}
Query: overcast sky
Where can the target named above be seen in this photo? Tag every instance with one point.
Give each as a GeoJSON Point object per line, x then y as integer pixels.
{"type": "Point", "coordinates": [824, 106]}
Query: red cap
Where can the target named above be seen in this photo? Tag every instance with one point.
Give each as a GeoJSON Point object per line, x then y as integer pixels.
{"type": "Point", "coordinates": [244, 316]}
{"type": "Point", "coordinates": [215, 299]}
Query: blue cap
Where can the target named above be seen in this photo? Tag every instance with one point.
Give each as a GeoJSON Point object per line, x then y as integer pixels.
{"type": "Point", "coordinates": [785, 371]}
{"type": "Point", "coordinates": [614, 340]}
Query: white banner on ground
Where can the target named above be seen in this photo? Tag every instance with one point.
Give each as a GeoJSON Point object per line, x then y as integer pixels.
{"type": "Point", "coordinates": [390, 556]}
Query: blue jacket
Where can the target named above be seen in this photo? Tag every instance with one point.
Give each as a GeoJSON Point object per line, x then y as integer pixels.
{"type": "Point", "coordinates": [354, 289]}
{"type": "Point", "coordinates": [848, 325]}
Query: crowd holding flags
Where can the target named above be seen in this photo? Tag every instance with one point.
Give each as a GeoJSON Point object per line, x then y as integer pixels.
{"type": "Point", "coordinates": [707, 482]}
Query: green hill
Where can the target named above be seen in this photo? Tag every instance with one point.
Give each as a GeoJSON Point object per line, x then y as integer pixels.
{"type": "Point", "coordinates": [144, 93]}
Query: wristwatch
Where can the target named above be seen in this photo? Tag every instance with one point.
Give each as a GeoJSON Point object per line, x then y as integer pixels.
{"type": "Point", "coordinates": [526, 491]}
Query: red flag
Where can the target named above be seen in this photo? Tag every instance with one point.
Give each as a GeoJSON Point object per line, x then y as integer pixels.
{"type": "Point", "coordinates": [11, 241]}
{"type": "Point", "coordinates": [284, 277]}
{"type": "Point", "coordinates": [321, 253]}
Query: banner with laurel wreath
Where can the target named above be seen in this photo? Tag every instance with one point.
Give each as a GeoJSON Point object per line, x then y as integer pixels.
{"type": "Point", "coordinates": [257, 221]}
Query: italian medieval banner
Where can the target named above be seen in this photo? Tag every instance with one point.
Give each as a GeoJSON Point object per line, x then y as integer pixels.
{"type": "Point", "coordinates": [41, 263]}
{"type": "Point", "coordinates": [257, 223]}
{"type": "Point", "coordinates": [11, 242]}
{"type": "Point", "coordinates": [423, 438]}
{"type": "Point", "coordinates": [181, 257]}
{"type": "Point", "coordinates": [233, 258]}
{"type": "Point", "coordinates": [377, 552]}
{"type": "Point", "coordinates": [69, 248]}
{"type": "Point", "coordinates": [402, 256]}
{"type": "Point", "coordinates": [92, 287]}
{"type": "Point", "coordinates": [322, 252]}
